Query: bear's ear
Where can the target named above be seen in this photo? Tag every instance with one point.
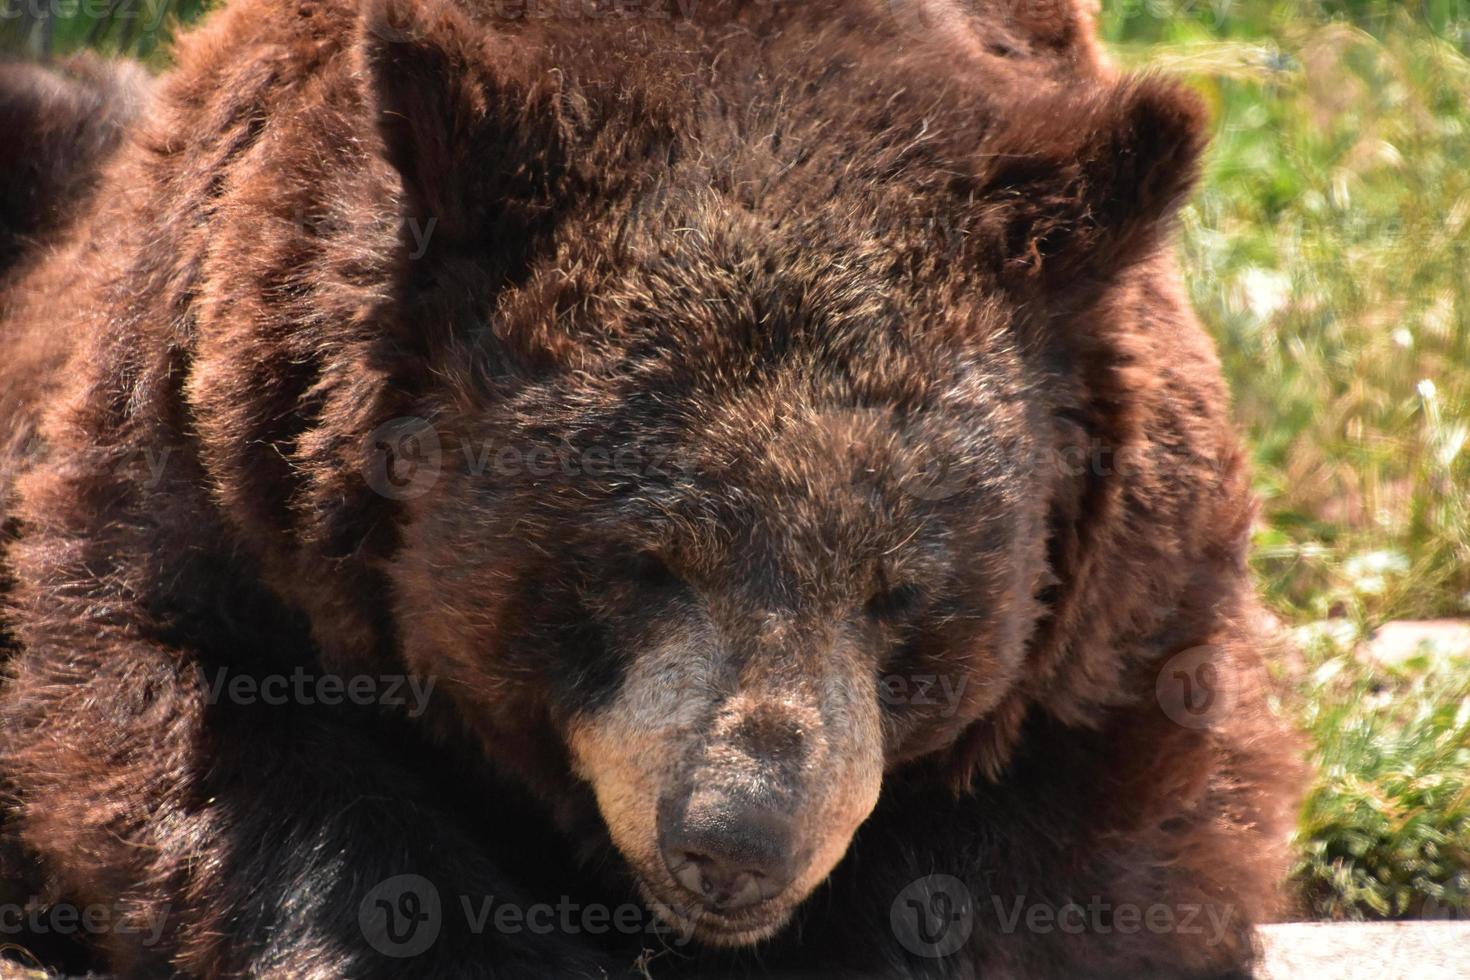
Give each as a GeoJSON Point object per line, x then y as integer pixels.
{"type": "Point", "coordinates": [467, 120]}
{"type": "Point", "coordinates": [1081, 187]}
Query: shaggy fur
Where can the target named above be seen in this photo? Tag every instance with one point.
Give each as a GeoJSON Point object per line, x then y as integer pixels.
{"type": "Point", "coordinates": [740, 273]}
{"type": "Point", "coordinates": [60, 124]}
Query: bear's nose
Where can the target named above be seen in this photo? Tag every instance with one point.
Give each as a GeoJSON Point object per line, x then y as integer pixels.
{"type": "Point", "coordinates": [730, 857]}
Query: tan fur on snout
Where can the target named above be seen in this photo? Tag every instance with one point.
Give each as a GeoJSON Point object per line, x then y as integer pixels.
{"type": "Point", "coordinates": [798, 733]}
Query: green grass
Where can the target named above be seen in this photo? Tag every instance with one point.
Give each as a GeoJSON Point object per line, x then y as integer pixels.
{"type": "Point", "coordinates": [1328, 253]}
{"type": "Point", "coordinates": [137, 28]}
{"type": "Point", "coordinates": [1386, 829]}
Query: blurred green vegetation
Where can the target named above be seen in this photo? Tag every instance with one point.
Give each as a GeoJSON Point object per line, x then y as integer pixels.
{"type": "Point", "coordinates": [137, 28]}
{"type": "Point", "coordinates": [1385, 831]}
{"type": "Point", "coordinates": [1327, 252]}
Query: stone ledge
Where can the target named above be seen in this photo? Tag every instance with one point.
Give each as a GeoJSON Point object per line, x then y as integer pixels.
{"type": "Point", "coordinates": [1366, 951]}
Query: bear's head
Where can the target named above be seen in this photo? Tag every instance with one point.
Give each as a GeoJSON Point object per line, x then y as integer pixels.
{"type": "Point", "coordinates": [724, 470]}
{"type": "Point", "coordinates": [772, 544]}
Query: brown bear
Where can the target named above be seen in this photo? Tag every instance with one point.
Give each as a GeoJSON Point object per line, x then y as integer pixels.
{"type": "Point", "coordinates": [61, 122]}
{"type": "Point", "coordinates": [720, 489]}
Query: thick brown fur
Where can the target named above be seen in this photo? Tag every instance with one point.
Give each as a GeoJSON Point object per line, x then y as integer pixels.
{"type": "Point", "coordinates": [61, 122]}
{"type": "Point", "coordinates": [781, 257]}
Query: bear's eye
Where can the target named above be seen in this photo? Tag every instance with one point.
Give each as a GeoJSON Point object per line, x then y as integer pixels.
{"type": "Point", "coordinates": [898, 602]}
{"type": "Point", "coordinates": [650, 571]}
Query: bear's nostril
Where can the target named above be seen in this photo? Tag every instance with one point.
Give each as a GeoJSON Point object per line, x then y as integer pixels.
{"type": "Point", "coordinates": [692, 876]}
{"type": "Point", "coordinates": [733, 862]}
{"type": "Point", "coordinates": [719, 886]}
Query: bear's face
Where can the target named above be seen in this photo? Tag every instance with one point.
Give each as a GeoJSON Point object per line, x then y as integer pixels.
{"type": "Point", "coordinates": [740, 498]}
{"type": "Point", "coordinates": [768, 632]}
{"type": "Point", "coordinates": [736, 605]}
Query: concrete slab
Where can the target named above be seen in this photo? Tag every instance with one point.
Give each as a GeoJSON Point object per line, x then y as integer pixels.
{"type": "Point", "coordinates": [1366, 951]}
{"type": "Point", "coordinates": [1399, 640]}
